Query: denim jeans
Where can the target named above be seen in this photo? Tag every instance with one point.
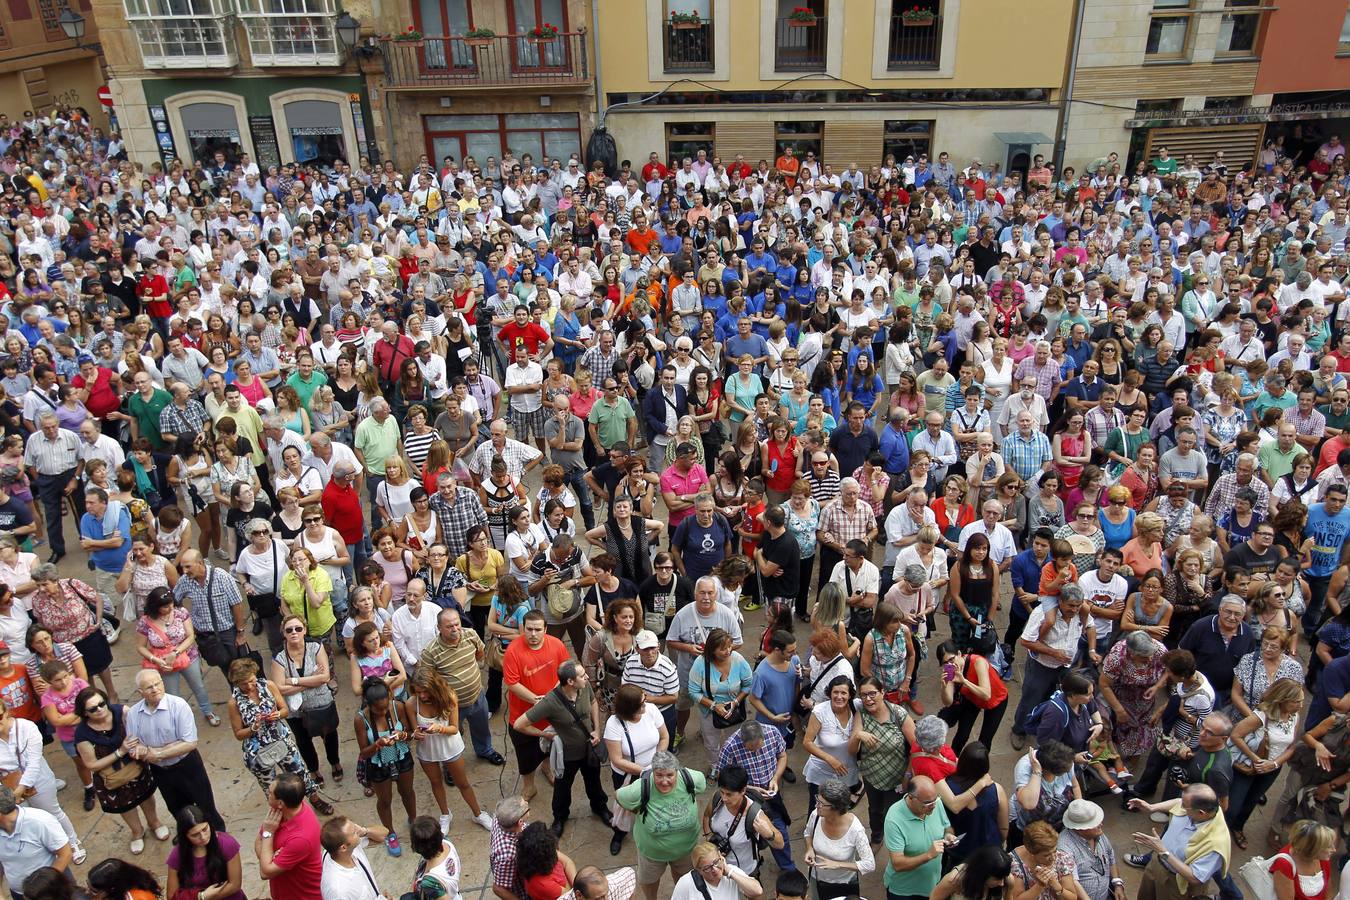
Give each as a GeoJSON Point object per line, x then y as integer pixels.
{"type": "Point", "coordinates": [480, 724]}
{"type": "Point", "coordinates": [193, 676]}
{"type": "Point", "coordinates": [576, 480]}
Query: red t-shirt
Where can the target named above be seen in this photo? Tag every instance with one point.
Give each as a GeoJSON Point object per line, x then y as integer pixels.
{"type": "Point", "coordinates": [157, 287]}
{"type": "Point", "coordinates": [102, 399]}
{"type": "Point", "coordinates": [936, 769]}
{"type": "Point", "coordinates": [1285, 866]}
{"type": "Point", "coordinates": [548, 887]}
{"type": "Point", "coordinates": [299, 856]}
{"type": "Point", "coordinates": [641, 241]}
{"type": "Point", "coordinates": [654, 168]}
{"type": "Point", "coordinates": [16, 692]}
{"type": "Point", "coordinates": [533, 335]}
{"type": "Point", "coordinates": [342, 510]}
{"type": "Point", "coordinates": [536, 670]}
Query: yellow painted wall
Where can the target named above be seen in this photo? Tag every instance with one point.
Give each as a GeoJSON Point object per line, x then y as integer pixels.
{"type": "Point", "coordinates": [999, 44]}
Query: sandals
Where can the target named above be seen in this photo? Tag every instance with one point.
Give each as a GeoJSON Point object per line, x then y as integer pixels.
{"type": "Point", "coordinates": [1240, 840]}
{"type": "Point", "coordinates": [338, 774]}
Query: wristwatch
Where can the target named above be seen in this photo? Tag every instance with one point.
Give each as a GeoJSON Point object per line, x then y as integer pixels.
{"type": "Point", "coordinates": [264, 833]}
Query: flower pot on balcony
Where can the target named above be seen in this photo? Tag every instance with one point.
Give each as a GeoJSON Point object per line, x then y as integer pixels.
{"type": "Point", "coordinates": [802, 23]}
{"type": "Point", "coordinates": [542, 40]}
{"type": "Point", "coordinates": [478, 41]}
{"type": "Point", "coordinates": [917, 22]}
{"type": "Point", "coordinates": [686, 26]}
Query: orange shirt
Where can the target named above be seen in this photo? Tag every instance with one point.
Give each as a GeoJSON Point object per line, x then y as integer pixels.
{"type": "Point", "coordinates": [16, 692]}
{"type": "Point", "coordinates": [789, 166]}
{"type": "Point", "coordinates": [536, 670]}
{"type": "Point", "coordinates": [1048, 573]}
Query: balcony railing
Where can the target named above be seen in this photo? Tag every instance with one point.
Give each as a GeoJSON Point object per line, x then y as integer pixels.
{"type": "Point", "coordinates": [800, 48]}
{"type": "Point", "coordinates": [689, 47]}
{"type": "Point", "coordinates": [187, 42]}
{"type": "Point", "coordinates": [913, 45]}
{"type": "Point", "coordinates": [282, 40]}
{"type": "Point", "coordinates": [505, 60]}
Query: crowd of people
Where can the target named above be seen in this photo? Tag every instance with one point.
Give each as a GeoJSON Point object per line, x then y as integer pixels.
{"type": "Point", "coordinates": [747, 451]}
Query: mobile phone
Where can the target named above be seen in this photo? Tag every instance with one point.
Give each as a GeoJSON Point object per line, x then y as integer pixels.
{"type": "Point", "coordinates": [949, 672]}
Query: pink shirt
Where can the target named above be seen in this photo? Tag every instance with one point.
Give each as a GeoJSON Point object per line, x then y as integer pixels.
{"type": "Point", "coordinates": [65, 705]}
{"type": "Point", "coordinates": [675, 483]}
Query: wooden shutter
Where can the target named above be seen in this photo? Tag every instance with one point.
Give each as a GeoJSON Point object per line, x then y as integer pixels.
{"type": "Point", "coordinates": [753, 140]}
{"type": "Point", "coordinates": [1239, 143]}
{"type": "Point", "coordinates": [852, 142]}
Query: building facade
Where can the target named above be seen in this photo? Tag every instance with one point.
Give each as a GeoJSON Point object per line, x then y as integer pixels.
{"type": "Point", "coordinates": [40, 66]}
{"type": "Point", "coordinates": [1205, 76]}
{"type": "Point", "coordinates": [270, 78]}
{"type": "Point", "coordinates": [853, 81]}
{"type": "Point", "coordinates": [525, 82]}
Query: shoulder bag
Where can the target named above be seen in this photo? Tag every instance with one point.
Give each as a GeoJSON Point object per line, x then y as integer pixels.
{"type": "Point", "coordinates": [178, 662]}
{"type": "Point", "coordinates": [737, 714]}
{"type": "Point", "coordinates": [597, 755]}
{"type": "Point", "coordinates": [122, 773]}
{"type": "Point", "coordinates": [807, 690]}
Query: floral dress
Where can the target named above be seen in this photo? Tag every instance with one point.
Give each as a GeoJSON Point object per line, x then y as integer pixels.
{"type": "Point", "coordinates": [1063, 865]}
{"type": "Point", "coordinates": [262, 755]}
{"type": "Point", "coordinates": [163, 635]}
{"type": "Point", "coordinates": [1129, 681]}
{"type": "Point", "coordinates": [1225, 429]}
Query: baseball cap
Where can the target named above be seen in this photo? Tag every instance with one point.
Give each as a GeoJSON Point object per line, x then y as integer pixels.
{"type": "Point", "coordinates": [645, 640]}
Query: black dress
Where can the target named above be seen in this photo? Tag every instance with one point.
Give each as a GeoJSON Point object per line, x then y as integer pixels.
{"type": "Point", "coordinates": [133, 793]}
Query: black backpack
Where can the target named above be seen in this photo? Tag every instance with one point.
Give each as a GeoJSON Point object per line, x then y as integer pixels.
{"type": "Point", "coordinates": [746, 819]}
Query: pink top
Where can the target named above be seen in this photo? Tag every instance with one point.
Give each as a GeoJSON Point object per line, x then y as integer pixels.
{"type": "Point", "coordinates": [252, 392]}
{"type": "Point", "coordinates": [65, 705]}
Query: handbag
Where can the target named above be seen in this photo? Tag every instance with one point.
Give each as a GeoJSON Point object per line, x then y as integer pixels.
{"type": "Point", "coordinates": [180, 661]}
{"type": "Point", "coordinates": [860, 618]}
{"type": "Point", "coordinates": [271, 754]}
{"type": "Point", "coordinates": [121, 776]}
{"type": "Point", "coordinates": [493, 654]}
{"type": "Point", "coordinates": [596, 754]}
{"type": "Point", "coordinates": [622, 818]}
{"type": "Point", "coordinates": [1256, 872]}
{"type": "Point", "coordinates": [737, 714]}
{"type": "Point", "coordinates": [806, 691]}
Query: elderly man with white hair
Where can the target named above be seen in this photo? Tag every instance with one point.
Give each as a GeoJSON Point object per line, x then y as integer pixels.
{"type": "Point", "coordinates": [843, 520]}
{"type": "Point", "coordinates": [519, 456]}
{"type": "Point", "coordinates": [688, 630]}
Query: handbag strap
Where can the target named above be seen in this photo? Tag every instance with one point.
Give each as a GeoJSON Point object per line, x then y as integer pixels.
{"type": "Point", "coordinates": [571, 708]}
{"type": "Point", "coordinates": [814, 681]}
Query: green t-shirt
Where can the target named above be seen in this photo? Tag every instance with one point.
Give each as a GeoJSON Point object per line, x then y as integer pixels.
{"type": "Point", "coordinates": [913, 836]}
{"type": "Point", "coordinates": [1165, 166]}
{"type": "Point", "coordinates": [377, 442]}
{"type": "Point", "coordinates": [611, 421]}
{"type": "Point", "coordinates": [902, 297]}
{"type": "Point", "coordinates": [671, 826]}
{"type": "Point", "coordinates": [306, 389]}
{"type": "Point", "coordinates": [147, 414]}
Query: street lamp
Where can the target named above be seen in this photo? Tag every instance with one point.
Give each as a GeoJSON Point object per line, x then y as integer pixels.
{"type": "Point", "coordinates": [348, 29]}
{"type": "Point", "coordinates": [72, 23]}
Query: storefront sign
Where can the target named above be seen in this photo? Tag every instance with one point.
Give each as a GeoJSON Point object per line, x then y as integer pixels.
{"type": "Point", "coordinates": [163, 136]}
{"type": "Point", "coordinates": [265, 148]}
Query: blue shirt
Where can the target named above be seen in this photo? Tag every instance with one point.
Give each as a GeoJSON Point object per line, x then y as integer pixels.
{"type": "Point", "coordinates": [776, 690]}
{"type": "Point", "coordinates": [765, 261]}
{"type": "Point", "coordinates": [110, 559]}
{"type": "Point", "coordinates": [1026, 576]}
{"type": "Point", "coordinates": [1333, 682]}
{"type": "Point", "coordinates": [701, 548]}
{"type": "Point", "coordinates": [895, 449]}
{"type": "Point", "coordinates": [1216, 659]}
{"type": "Point", "coordinates": [737, 346]}
{"type": "Point", "coordinates": [1328, 535]}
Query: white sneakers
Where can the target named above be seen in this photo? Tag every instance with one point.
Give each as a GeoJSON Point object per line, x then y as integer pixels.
{"type": "Point", "coordinates": [445, 823]}
{"type": "Point", "coordinates": [485, 819]}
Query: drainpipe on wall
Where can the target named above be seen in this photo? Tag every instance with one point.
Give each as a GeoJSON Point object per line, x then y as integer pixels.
{"type": "Point", "coordinates": [1066, 91]}
{"type": "Point", "coordinates": [595, 56]}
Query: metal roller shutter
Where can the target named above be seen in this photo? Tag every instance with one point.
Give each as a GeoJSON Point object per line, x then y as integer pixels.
{"type": "Point", "coordinates": [1239, 143]}
{"type": "Point", "coordinates": [753, 140]}
{"type": "Point", "coordinates": [848, 143]}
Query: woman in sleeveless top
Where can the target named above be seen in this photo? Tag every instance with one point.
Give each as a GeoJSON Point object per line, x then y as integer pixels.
{"type": "Point", "coordinates": [985, 823]}
{"type": "Point", "coordinates": [974, 686]}
{"type": "Point", "coordinates": [419, 529]}
{"type": "Point", "coordinates": [887, 653]}
{"type": "Point", "coordinates": [396, 562]}
{"type": "Point", "coordinates": [627, 538]}
{"type": "Point", "coordinates": [330, 552]}
{"type": "Point", "coordinates": [384, 733]}
{"type": "Point", "coordinates": [447, 586]}
{"type": "Point", "coordinates": [258, 717]}
{"type": "Point", "coordinates": [145, 571]}
{"type": "Point", "coordinates": [1149, 610]}
{"type": "Point", "coordinates": [373, 657]}
{"type": "Point", "coordinates": [501, 493]}
{"type": "Point", "coordinates": [440, 746]}
{"type": "Point", "coordinates": [974, 594]}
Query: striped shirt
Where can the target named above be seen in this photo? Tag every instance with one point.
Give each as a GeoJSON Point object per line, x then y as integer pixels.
{"type": "Point", "coordinates": [824, 488]}
{"type": "Point", "coordinates": [211, 601]}
{"type": "Point", "coordinates": [458, 665]}
{"type": "Point", "coordinates": [660, 680]}
{"type": "Point", "coordinates": [1025, 456]}
{"type": "Point", "coordinates": [52, 457]}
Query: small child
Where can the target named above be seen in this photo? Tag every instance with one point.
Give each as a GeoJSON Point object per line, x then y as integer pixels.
{"type": "Point", "coordinates": [14, 480]}
{"type": "Point", "coordinates": [1058, 572]}
{"type": "Point", "coordinates": [58, 708]}
{"type": "Point", "coordinates": [1106, 759]}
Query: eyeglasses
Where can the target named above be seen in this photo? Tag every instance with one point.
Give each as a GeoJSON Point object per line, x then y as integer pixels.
{"type": "Point", "coordinates": [316, 520]}
{"type": "Point", "coordinates": [712, 866]}
{"type": "Point", "coordinates": [95, 707]}
{"type": "Point", "coordinates": [294, 629]}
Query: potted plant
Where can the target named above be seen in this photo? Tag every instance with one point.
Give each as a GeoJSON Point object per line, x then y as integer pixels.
{"type": "Point", "coordinates": [479, 37]}
{"type": "Point", "coordinates": [411, 34]}
{"type": "Point", "coordinates": [801, 17]}
{"type": "Point", "coordinates": [683, 21]}
{"type": "Point", "coordinates": [916, 16]}
{"type": "Point", "coordinates": [543, 34]}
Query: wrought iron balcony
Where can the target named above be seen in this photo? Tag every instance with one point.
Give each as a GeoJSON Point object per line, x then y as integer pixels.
{"type": "Point", "coordinates": [688, 46]}
{"type": "Point", "coordinates": [504, 60]}
{"type": "Point", "coordinates": [186, 42]}
{"type": "Point", "coordinates": [800, 47]}
{"type": "Point", "coordinates": [914, 44]}
{"type": "Point", "coordinates": [286, 40]}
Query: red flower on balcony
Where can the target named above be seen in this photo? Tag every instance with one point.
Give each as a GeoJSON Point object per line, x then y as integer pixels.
{"type": "Point", "coordinates": [545, 31]}
{"type": "Point", "coordinates": [802, 14]}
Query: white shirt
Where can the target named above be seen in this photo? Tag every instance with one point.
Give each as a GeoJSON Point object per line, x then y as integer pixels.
{"type": "Point", "coordinates": [517, 375]}
{"type": "Point", "coordinates": [36, 838]}
{"type": "Point", "coordinates": [433, 372]}
{"type": "Point", "coordinates": [342, 883]}
{"type": "Point", "coordinates": [1104, 594]}
{"type": "Point", "coordinates": [637, 740]}
{"type": "Point", "coordinates": [900, 525]}
{"type": "Point", "coordinates": [867, 580]}
{"type": "Point", "coordinates": [726, 889]}
{"type": "Point", "coordinates": [413, 632]}
{"type": "Point", "coordinates": [1063, 635]}
{"type": "Point", "coordinates": [341, 453]}
{"type": "Point", "coordinates": [1001, 544]}
{"type": "Point", "coordinates": [104, 447]}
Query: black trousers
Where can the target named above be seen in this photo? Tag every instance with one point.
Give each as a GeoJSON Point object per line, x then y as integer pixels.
{"type": "Point", "coordinates": [185, 783]}
{"type": "Point", "coordinates": [51, 491]}
{"type": "Point", "coordinates": [878, 801]}
{"type": "Point", "coordinates": [562, 789]}
{"type": "Point", "coordinates": [828, 560]}
{"type": "Point", "coordinates": [305, 742]}
{"type": "Point", "coordinates": [804, 585]}
{"type": "Point", "coordinates": [963, 714]}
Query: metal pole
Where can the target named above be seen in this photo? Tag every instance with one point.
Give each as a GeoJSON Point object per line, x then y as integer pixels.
{"type": "Point", "coordinates": [1066, 98]}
